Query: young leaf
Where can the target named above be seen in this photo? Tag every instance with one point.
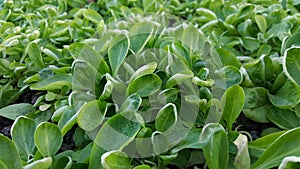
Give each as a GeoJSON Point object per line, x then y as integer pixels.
{"type": "Point", "coordinates": [34, 53]}
{"type": "Point", "coordinates": [215, 146]}
{"type": "Point", "coordinates": [166, 118]}
{"type": "Point", "coordinates": [9, 157]}
{"type": "Point", "coordinates": [117, 51]}
{"type": "Point", "coordinates": [285, 145]}
{"type": "Point", "coordinates": [115, 159]}
{"type": "Point", "coordinates": [91, 115]}
{"type": "Point", "coordinates": [48, 139]}
{"type": "Point", "coordinates": [232, 102]}
{"type": "Point", "coordinates": [15, 110]}
{"type": "Point", "coordinates": [261, 23]}
{"type": "Point", "coordinates": [92, 15]}
{"type": "Point", "coordinates": [22, 135]}
{"type": "Point", "coordinates": [291, 64]}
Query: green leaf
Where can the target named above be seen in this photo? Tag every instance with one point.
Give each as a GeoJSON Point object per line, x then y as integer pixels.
{"type": "Point", "coordinates": [91, 115]}
{"type": "Point", "coordinates": [92, 15]}
{"type": "Point", "coordinates": [115, 160]}
{"type": "Point", "coordinates": [44, 163]}
{"type": "Point", "coordinates": [139, 35]}
{"type": "Point", "coordinates": [160, 142]}
{"type": "Point", "coordinates": [48, 139]}
{"type": "Point", "coordinates": [191, 140]}
{"type": "Point", "coordinates": [9, 157]}
{"type": "Point", "coordinates": [286, 97]}
{"type": "Point", "coordinates": [261, 23]}
{"type": "Point", "coordinates": [192, 38]}
{"type": "Point", "coordinates": [22, 135]}
{"type": "Point", "coordinates": [15, 110]}
{"type": "Point", "coordinates": [290, 162]}
{"type": "Point", "coordinates": [142, 167]}
{"type": "Point", "coordinates": [216, 146]}
{"type": "Point", "coordinates": [54, 82]}
{"type": "Point", "coordinates": [144, 70]}
{"type": "Point", "coordinates": [34, 53]}
{"type": "Point", "coordinates": [145, 85]}
{"type": "Point", "coordinates": [242, 159]}
{"type": "Point", "coordinates": [178, 78]}
{"type": "Point", "coordinates": [291, 64]}
{"type": "Point", "coordinates": [258, 114]}
{"type": "Point", "coordinates": [258, 146]}
{"type": "Point", "coordinates": [166, 118]}
{"type": "Point", "coordinates": [95, 157]}
{"type": "Point", "coordinates": [283, 118]}
{"type": "Point", "coordinates": [117, 51]}
{"type": "Point", "coordinates": [232, 102]}
{"type": "Point", "coordinates": [228, 58]}
{"type": "Point", "coordinates": [132, 103]}
{"type": "Point", "coordinates": [285, 145]}
{"type": "Point", "coordinates": [122, 128]}
{"type": "Point", "coordinates": [289, 42]}
{"type": "Point", "coordinates": [228, 76]}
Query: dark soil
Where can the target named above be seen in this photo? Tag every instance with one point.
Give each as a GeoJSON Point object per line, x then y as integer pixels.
{"type": "Point", "coordinates": [253, 128]}
{"type": "Point", "coordinates": [5, 126]}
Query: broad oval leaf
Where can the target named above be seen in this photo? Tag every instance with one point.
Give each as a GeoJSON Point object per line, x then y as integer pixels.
{"type": "Point", "coordinates": [122, 128]}
{"type": "Point", "coordinates": [92, 15]}
{"type": "Point", "coordinates": [55, 82]}
{"type": "Point", "coordinates": [48, 139]}
{"type": "Point", "coordinates": [293, 40]}
{"type": "Point", "coordinates": [91, 115]}
{"type": "Point", "coordinates": [215, 146]}
{"type": "Point", "coordinates": [44, 163]}
{"type": "Point", "coordinates": [132, 103]}
{"type": "Point", "coordinates": [286, 97]}
{"type": "Point", "coordinates": [115, 160]}
{"type": "Point", "coordinates": [22, 135]}
{"type": "Point", "coordinates": [291, 64]}
{"type": "Point", "coordinates": [261, 23]}
{"type": "Point", "coordinates": [166, 118]}
{"type": "Point", "coordinates": [15, 110]}
{"type": "Point", "coordinates": [232, 102]}
{"type": "Point", "coordinates": [9, 157]}
{"type": "Point", "coordinates": [286, 145]}
{"type": "Point", "coordinates": [95, 155]}
{"type": "Point", "coordinates": [117, 51]}
{"type": "Point", "coordinates": [145, 85]}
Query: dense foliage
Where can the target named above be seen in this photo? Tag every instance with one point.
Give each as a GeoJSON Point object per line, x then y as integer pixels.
{"type": "Point", "coordinates": [150, 84]}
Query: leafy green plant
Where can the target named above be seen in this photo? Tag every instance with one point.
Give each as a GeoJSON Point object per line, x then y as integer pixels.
{"type": "Point", "coordinates": [149, 84]}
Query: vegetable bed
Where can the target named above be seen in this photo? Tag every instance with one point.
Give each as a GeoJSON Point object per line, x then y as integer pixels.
{"type": "Point", "coordinates": [149, 84]}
